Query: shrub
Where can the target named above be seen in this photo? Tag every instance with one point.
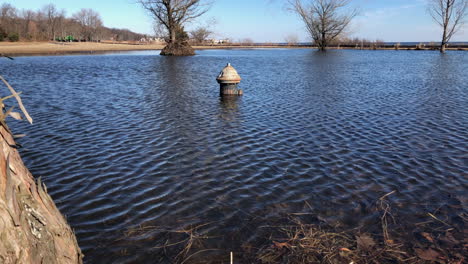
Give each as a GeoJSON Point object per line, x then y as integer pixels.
{"type": "Point", "coordinates": [13, 37]}
{"type": "Point", "coordinates": [181, 35]}
{"type": "Point", "coordinates": [3, 34]}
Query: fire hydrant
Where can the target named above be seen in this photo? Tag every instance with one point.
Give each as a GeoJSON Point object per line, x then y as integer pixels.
{"type": "Point", "coordinates": [228, 80]}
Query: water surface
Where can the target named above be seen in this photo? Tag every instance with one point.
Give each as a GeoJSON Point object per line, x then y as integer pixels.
{"type": "Point", "coordinates": [133, 146]}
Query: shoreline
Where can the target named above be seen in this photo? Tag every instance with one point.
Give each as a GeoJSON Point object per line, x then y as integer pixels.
{"type": "Point", "coordinates": [86, 48]}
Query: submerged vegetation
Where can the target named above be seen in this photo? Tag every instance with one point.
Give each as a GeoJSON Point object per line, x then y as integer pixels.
{"type": "Point", "coordinates": [297, 241]}
{"type": "Point", "coordinates": [303, 243]}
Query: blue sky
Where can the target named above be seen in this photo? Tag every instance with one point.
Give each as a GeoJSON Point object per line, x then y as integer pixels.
{"type": "Point", "coordinates": [269, 20]}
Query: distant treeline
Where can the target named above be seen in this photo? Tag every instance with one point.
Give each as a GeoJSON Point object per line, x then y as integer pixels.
{"type": "Point", "coordinates": [51, 23]}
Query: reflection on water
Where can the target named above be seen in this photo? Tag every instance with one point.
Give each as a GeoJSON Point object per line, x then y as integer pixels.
{"type": "Point", "coordinates": [229, 107]}
{"type": "Point", "coordinates": [133, 147]}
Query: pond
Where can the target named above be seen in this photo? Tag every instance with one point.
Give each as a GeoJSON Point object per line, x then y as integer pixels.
{"type": "Point", "coordinates": [138, 149]}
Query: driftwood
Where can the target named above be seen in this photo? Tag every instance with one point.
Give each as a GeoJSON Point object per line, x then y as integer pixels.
{"type": "Point", "coordinates": [32, 230]}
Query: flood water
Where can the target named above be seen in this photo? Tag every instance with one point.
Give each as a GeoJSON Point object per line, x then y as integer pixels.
{"type": "Point", "coordinates": [134, 146]}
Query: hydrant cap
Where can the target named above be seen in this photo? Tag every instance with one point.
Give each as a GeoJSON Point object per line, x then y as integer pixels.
{"type": "Point", "coordinates": [228, 75]}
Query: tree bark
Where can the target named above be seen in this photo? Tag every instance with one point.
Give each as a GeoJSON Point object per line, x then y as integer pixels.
{"type": "Point", "coordinates": [32, 230]}
{"type": "Point", "coordinates": [173, 35]}
{"type": "Point", "coordinates": [443, 48]}
{"type": "Point", "coordinates": [323, 42]}
{"type": "Point", "coordinates": [443, 44]}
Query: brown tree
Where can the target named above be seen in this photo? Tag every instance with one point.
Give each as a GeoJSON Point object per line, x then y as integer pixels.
{"type": "Point", "coordinates": [449, 14]}
{"type": "Point", "coordinates": [50, 23]}
{"type": "Point", "coordinates": [200, 34]}
{"type": "Point", "coordinates": [54, 18]}
{"type": "Point", "coordinates": [173, 15]}
{"type": "Point", "coordinates": [8, 18]}
{"type": "Point", "coordinates": [90, 23]}
{"type": "Point", "coordinates": [325, 20]}
{"type": "Point", "coordinates": [291, 39]}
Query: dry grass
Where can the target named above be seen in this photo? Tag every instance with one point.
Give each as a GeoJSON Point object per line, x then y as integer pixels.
{"type": "Point", "coordinates": [51, 48]}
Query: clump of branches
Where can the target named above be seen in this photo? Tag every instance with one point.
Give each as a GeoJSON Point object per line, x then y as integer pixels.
{"type": "Point", "coordinates": [325, 20]}
{"type": "Point", "coordinates": [185, 241]}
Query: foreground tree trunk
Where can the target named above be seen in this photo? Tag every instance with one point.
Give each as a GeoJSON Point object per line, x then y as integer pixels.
{"type": "Point", "coordinates": [32, 230]}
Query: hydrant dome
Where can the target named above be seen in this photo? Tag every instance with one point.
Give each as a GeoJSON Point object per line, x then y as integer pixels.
{"type": "Point", "coordinates": [228, 75]}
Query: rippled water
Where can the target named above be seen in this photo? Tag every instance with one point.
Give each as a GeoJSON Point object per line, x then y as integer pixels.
{"type": "Point", "coordinates": [132, 145]}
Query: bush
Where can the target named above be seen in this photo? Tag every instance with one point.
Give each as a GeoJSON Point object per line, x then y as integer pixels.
{"type": "Point", "coordinates": [3, 34]}
{"type": "Point", "coordinates": [181, 35]}
{"type": "Point", "coordinates": [13, 37]}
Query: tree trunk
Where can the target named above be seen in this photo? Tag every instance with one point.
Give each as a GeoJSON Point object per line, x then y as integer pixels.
{"type": "Point", "coordinates": [444, 40]}
{"type": "Point", "coordinates": [323, 42]}
{"type": "Point", "coordinates": [172, 35]}
{"type": "Point", "coordinates": [32, 230]}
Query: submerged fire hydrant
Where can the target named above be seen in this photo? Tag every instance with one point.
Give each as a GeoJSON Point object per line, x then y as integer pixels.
{"type": "Point", "coordinates": [228, 80]}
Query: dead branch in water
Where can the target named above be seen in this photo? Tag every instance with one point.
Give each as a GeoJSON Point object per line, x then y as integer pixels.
{"type": "Point", "coordinates": [18, 99]}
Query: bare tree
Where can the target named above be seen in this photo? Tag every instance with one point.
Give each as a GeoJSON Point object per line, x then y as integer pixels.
{"type": "Point", "coordinates": [27, 25]}
{"type": "Point", "coordinates": [200, 34]}
{"type": "Point", "coordinates": [54, 18]}
{"type": "Point", "coordinates": [449, 14]}
{"type": "Point", "coordinates": [247, 42]}
{"type": "Point", "coordinates": [8, 18]}
{"type": "Point", "coordinates": [50, 22]}
{"type": "Point", "coordinates": [325, 20]}
{"type": "Point", "coordinates": [291, 39]}
{"type": "Point", "coordinates": [90, 22]}
{"type": "Point", "coordinates": [174, 14]}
